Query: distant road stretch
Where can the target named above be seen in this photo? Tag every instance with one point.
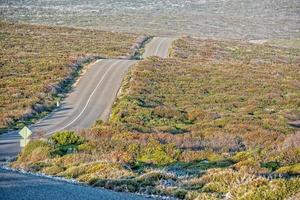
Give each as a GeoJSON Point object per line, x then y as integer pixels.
{"type": "Point", "coordinates": [158, 46]}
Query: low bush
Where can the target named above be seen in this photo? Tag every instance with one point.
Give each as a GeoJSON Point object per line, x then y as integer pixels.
{"type": "Point", "coordinates": [66, 138]}
{"type": "Point", "coordinates": [271, 166]}
{"type": "Point", "coordinates": [244, 155]}
{"type": "Point", "coordinates": [65, 142]}
{"type": "Point", "coordinates": [160, 154]}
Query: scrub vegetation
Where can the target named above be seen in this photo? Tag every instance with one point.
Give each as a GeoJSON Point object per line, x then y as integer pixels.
{"type": "Point", "coordinates": [217, 120]}
{"type": "Point", "coordinates": [38, 62]}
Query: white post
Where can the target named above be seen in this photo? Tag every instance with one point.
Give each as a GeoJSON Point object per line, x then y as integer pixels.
{"type": "Point", "coordinates": [25, 133]}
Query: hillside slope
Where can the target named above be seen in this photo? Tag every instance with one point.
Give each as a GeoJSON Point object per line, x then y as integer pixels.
{"type": "Point", "coordinates": [37, 62]}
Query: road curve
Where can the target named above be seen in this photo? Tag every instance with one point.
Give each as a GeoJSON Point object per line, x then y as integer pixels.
{"type": "Point", "coordinates": [91, 99]}
{"type": "Point", "coordinates": [158, 46]}
{"type": "Point", "coordinates": [14, 185]}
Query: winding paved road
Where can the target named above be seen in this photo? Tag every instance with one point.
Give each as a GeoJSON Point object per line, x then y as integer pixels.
{"type": "Point", "coordinates": [91, 98]}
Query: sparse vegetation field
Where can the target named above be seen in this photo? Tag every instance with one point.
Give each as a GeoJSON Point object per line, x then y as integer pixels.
{"type": "Point", "coordinates": [209, 87]}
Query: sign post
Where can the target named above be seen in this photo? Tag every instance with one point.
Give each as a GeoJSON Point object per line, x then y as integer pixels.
{"type": "Point", "coordinates": [25, 133]}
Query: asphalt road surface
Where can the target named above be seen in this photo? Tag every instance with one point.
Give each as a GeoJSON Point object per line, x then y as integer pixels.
{"type": "Point", "coordinates": [91, 98]}
{"type": "Point", "coordinates": [158, 46]}
{"type": "Point", "coordinates": [17, 186]}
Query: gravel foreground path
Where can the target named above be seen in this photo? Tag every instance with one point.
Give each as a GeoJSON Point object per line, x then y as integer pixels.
{"type": "Point", "coordinates": [15, 186]}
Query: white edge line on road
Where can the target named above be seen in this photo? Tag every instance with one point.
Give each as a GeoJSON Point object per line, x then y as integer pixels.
{"type": "Point", "coordinates": [169, 45]}
{"type": "Point", "coordinates": [158, 46]}
{"type": "Point", "coordinates": [58, 109]}
{"type": "Point", "coordinates": [83, 71]}
{"type": "Point", "coordinates": [108, 109]}
{"type": "Point", "coordinates": [89, 99]}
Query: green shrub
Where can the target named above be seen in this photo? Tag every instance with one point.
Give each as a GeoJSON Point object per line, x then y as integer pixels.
{"type": "Point", "coordinates": [66, 138]}
{"type": "Point", "coordinates": [159, 154]}
{"type": "Point", "coordinates": [243, 155]}
{"type": "Point", "coordinates": [271, 166]}
{"type": "Point", "coordinates": [65, 142]}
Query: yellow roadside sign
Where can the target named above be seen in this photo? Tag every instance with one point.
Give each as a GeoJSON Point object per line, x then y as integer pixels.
{"type": "Point", "coordinates": [25, 132]}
